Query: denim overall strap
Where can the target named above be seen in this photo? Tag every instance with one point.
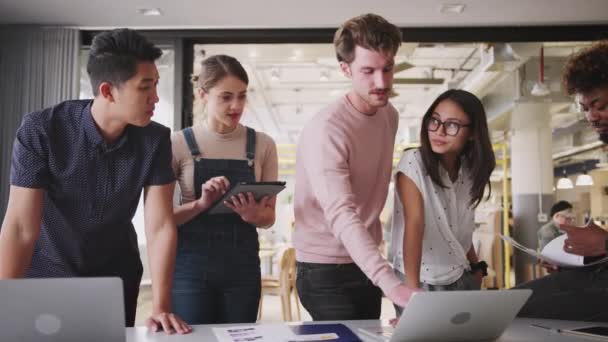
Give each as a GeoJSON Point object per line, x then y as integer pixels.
{"type": "Point", "coordinates": [235, 170]}
{"type": "Point", "coordinates": [192, 145]}
{"type": "Point", "coordinates": [250, 147]}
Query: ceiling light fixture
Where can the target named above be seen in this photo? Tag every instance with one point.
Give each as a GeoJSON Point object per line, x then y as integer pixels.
{"type": "Point", "coordinates": [298, 109]}
{"type": "Point", "coordinates": [452, 8]}
{"type": "Point", "coordinates": [503, 52]}
{"type": "Point", "coordinates": [565, 182]}
{"type": "Point", "coordinates": [150, 11]}
{"type": "Point", "coordinates": [584, 179]}
{"type": "Point", "coordinates": [275, 74]}
{"type": "Point", "coordinates": [324, 75]}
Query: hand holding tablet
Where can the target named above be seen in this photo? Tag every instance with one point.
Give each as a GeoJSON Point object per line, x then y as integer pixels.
{"type": "Point", "coordinates": [258, 190]}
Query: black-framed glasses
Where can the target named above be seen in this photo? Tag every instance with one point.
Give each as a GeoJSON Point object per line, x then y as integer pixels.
{"type": "Point", "coordinates": [451, 127]}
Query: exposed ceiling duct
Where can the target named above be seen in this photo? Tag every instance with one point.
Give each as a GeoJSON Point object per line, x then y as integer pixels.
{"type": "Point", "coordinates": [495, 61]}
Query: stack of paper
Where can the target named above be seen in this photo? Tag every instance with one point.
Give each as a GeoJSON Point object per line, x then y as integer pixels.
{"type": "Point", "coordinates": [283, 333]}
{"type": "Point", "coordinates": [554, 253]}
{"type": "Point", "coordinates": [257, 333]}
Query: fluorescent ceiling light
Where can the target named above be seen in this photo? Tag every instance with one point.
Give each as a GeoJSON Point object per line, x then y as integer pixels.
{"type": "Point", "coordinates": [452, 8]}
{"type": "Point", "coordinates": [150, 11]}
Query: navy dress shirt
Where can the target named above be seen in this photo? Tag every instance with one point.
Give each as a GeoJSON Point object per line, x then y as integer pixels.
{"type": "Point", "coordinates": [92, 188]}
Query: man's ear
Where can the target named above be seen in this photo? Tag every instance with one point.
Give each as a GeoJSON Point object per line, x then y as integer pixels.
{"type": "Point", "coordinates": [345, 67]}
{"type": "Point", "coordinates": [105, 91]}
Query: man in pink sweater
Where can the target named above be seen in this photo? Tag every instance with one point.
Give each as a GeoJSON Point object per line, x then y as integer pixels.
{"type": "Point", "coordinates": [343, 169]}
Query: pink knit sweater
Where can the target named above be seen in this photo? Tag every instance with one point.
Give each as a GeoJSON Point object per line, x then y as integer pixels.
{"type": "Point", "coordinates": [343, 168]}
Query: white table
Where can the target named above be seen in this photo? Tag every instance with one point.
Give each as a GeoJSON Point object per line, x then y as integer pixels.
{"type": "Point", "coordinates": [519, 331]}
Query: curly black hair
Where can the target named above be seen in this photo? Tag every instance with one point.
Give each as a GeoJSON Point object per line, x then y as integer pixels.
{"type": "Point", "coordinates": [587, 69]}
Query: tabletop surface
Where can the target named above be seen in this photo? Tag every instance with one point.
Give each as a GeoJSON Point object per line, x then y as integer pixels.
{"type": "Point", "coordinates": [520, 330]}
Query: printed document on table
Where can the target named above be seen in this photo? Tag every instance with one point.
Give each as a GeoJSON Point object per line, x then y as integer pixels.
{"type": "Point", "coordinates": [253, 333]}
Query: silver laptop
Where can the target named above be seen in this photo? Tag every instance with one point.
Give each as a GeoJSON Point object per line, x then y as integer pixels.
{"type": "Point", "coordinates": [62, 310]}
{"type": "Point", "coordinates": [453, 316]}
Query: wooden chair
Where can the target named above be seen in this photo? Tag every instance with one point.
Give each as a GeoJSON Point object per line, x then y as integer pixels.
{"type": "Point", "coordinates": [283, 286]}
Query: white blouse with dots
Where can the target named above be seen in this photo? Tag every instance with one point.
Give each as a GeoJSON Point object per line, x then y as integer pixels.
{"type": "Point", "coordinates": [448, 222]}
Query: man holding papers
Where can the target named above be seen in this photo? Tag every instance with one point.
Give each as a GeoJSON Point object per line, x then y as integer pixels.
{"type": "Point", "coordinates": [579, 293]}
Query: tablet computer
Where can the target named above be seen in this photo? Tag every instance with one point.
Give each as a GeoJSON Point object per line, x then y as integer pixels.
{"type": "Point", "coordinates": [259, 190]}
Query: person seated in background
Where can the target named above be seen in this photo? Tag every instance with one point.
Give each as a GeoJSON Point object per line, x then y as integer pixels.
{"type": "Point", "coordinates": [579, 294]}
{"type": "Point", "coordinates": [438, 186]}
{"type": "Point", "coordinates": [561, 213]}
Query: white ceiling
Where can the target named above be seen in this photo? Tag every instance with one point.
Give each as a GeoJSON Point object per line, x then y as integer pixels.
{"type": "Point", "coordinates": [297, 14]}
{"type": "Point", "coordinates": [290, 83]}
{"type": "Point", "coordinates": [281, 107]}
{"type": "Point", "coordinates": [282, 104]}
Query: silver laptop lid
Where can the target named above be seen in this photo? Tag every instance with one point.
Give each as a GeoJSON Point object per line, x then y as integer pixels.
{"type": "Point", "coordinates": [459, 315]}
{"type": "Point", "coordinates": [62, 310]}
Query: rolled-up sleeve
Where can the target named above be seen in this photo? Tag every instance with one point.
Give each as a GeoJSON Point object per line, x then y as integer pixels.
{"type": "Point", "coordinates": [162, 171]}
{"type": "Point", "coordinates": [29, 162]}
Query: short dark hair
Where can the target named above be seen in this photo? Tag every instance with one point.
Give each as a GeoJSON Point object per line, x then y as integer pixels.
{"type": "Point", "coordinates": [478, 153]}
{"type": "Point", "coordinates": [215, 68]}
{"type": "Point", "coordinates": [587, 69]}
{"type": "Point", "coordinates": [560, 206]}
{"type": "Point", "coordinates": [115, 54]}
{"type": "Point", "coordinates": [369, 31]}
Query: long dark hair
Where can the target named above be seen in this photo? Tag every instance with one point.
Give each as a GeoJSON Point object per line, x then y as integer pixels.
{"type": "Point", "coordinates": [478, 154]}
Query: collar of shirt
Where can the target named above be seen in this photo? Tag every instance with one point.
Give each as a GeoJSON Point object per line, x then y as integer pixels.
{"type": "Point", "coordinates": [445, 176]}
{"type": "Point", "coordinates": [93, 135]}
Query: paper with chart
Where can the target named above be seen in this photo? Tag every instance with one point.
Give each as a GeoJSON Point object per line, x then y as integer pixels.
{"type": "Point", "coordinates": [267, 333]}
{"type": "Point", "coordinates": [253, 333]}
{"type": "Point", "coordinates": [554, 253]}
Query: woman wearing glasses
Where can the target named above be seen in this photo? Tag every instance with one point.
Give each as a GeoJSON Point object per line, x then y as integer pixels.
{"type": "Point", "coordinates": [438, 187]}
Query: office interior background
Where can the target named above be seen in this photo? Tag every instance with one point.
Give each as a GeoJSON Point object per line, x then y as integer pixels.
{"type": "Point", "coordinates": [509, 53]}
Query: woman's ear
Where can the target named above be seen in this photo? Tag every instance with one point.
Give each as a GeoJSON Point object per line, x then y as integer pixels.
{"type": "Point", "coordinates": [203, 94]}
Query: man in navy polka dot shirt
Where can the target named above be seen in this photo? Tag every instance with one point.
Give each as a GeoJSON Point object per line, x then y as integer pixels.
{"type": "Point", "coordinates": [78, 170]}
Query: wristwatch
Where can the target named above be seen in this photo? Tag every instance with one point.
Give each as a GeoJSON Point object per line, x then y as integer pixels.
{"type": "Point", "coordinates": [483, 267]}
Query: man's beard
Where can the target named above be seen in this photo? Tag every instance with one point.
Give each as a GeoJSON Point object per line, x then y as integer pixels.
{"type": "Point", "coordinates": [604, 137]}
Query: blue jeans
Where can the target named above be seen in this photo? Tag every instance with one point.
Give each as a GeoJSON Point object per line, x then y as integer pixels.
{"type": "Point", "coordinates": [332, 292]}
{"type": "Point", "coordinates": [217, 277]}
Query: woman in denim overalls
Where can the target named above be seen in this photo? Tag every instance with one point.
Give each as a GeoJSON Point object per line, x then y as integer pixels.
{"type": "Point", "coordinates": [217, 268]}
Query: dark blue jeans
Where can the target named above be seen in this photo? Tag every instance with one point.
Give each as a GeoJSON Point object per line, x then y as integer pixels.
{"type": "Point", "coordinates": [217, 278]}
{"type": "Point", "coordinates": [332, 292]}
